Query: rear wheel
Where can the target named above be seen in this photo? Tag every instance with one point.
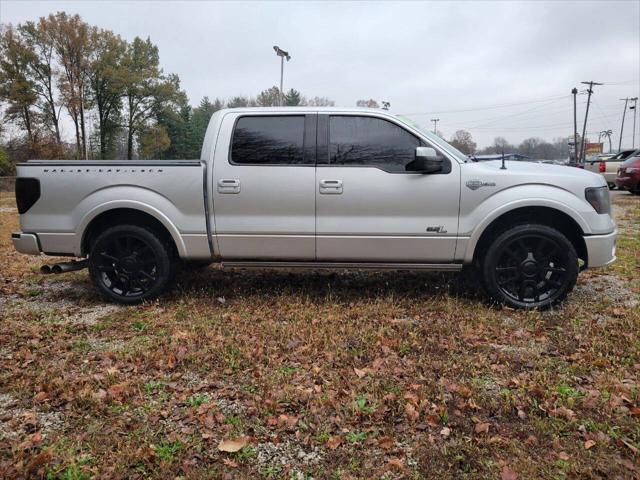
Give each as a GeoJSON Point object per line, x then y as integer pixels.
{"type": "Point", "coordinates": [130, 264]}
{"type": "Point", "coordinates": [530, 266]}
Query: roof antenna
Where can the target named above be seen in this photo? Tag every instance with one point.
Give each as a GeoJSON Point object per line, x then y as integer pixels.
{"type": "Point", "coordinates": [503, 166]}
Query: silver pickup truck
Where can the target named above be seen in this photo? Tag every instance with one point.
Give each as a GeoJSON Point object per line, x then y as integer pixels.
{"type": "Point", "coordinates": [319, 188]}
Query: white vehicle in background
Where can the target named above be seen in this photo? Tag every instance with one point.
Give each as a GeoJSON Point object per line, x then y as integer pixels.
{"type": "Point", "coordinates": [307, 187]}
{"type": "Point", "coordinates": [607, 165]}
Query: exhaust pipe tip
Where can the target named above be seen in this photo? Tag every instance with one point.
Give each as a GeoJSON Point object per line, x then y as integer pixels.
{"type": "Point", "coordinates": [56, 269]}
{"type": "Point", "coordinates": [45, 269]}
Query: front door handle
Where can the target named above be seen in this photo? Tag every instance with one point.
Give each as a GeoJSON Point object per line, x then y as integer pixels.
{"type": "Point", "coordinates": [331, 187]}
{"type": "Point", "coordinates": [228, 185]}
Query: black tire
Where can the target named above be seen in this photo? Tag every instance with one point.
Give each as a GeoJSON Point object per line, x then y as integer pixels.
{"type": "Point", "coordinates": [530, 266]}
{"type": "Point", "coordinates": [130, 264]}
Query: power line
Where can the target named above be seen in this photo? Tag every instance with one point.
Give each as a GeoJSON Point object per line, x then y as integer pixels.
{"type": "Point", "coordinates": [591, 84]}
{"type": "Point", "coordinates": [489, 107]}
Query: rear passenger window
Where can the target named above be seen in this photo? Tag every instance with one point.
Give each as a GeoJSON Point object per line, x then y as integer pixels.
{"type": "Point", "coordinates": [268, 140]}
{"type": "Point", "coordinates": [369, 141]}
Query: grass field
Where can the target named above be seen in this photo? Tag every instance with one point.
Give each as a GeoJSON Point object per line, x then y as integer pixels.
{"type": "Point", "coordinates": [318, 375]}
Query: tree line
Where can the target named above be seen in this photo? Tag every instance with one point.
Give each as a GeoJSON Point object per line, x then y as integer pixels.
{"type": "Point", "coordinates": [120, 101]}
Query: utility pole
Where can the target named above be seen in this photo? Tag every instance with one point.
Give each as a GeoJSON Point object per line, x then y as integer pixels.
{"type": "Point", "coordinates": [282, 54]}
{"type": "Point", "coordinates": [586, 116]}
{"type": "Point", "coordinates": [606, 133]}
{"type": "Point", "coordinates": [634, 108]}
{"type": "Point", "coordinates": [435, 124]}
{"type": "Point", "coordinates": [626, 100]}
{"type": "Point", "coordinates": [574, 91]}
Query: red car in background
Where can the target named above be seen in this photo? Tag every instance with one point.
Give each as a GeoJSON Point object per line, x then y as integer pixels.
{"type": "Point", "coordinates": [628, 177]}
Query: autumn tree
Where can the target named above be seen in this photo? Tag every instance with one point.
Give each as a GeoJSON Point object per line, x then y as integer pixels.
{"type": "Point", "coordinates": [16, 87]}
{"type": "Point", "coordinates": [320, 102]}
{"type": "Point", "coordinates": [269, 97]}
{"type": "Point", "coordinates": [371, 103]}
{"type": "Point", "coordinates": [146, 89]}
{"type": "Point", "coordinates": [107, 86]}
{"type": "Point", "coordinates": [238, 102]}
{"type": "Point", "coordinates": [153, 141]}
{"type": "Point", "coordinates": [463, 141]}
{"type": "Point", "coordinates": [39, 40]}
{"type": "Point", "coordinates": [73, 42]}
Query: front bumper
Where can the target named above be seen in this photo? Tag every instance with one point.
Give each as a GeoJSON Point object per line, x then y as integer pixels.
{"type": "Point", "coordinates": [601, 249]}
{"type": "Point", "coordinates": [26, 243]}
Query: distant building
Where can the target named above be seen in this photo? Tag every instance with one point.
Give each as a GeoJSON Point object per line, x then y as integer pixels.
{"type": "Point", "coordinates": [498, 156]}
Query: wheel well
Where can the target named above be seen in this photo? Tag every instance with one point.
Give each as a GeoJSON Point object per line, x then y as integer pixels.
{"type": "Point", "coordinates": [122, 216]}
{"type": "Point", "coordinates": [542, 215]}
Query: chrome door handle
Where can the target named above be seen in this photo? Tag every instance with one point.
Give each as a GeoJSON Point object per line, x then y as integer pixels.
{"type": "Point", "coordinates": [331, 187]}
{"type": "Point", "coordinates": [228, 185]}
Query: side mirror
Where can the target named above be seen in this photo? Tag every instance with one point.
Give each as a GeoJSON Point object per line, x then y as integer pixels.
{"type": "Point", "coordinates": [426, 161]}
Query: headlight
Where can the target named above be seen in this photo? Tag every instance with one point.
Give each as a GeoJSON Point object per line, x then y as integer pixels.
{"type": "Point", "coordinates": [633, 169]}
{"type": "Point", "coordinates": [598, 197]}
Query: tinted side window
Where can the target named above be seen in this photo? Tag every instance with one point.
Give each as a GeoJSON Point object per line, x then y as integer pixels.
{"type": "Point", "coordinates": [268, 140]}
{"type": "Point", "coordinates": [370, 141]}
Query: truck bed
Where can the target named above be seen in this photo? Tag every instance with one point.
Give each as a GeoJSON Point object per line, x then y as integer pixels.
{"type": "Point", "coordinates": [73, 192]}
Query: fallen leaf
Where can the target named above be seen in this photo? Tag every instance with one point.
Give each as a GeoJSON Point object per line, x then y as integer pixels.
{"type": "Point", "coordinates": [445, 432]}
{"type": "Point", "coordinates": [563, 412]}
{"type": "Point", "coordinates": [229, 463]}
{"type": "Point", "coordinates": [397, 463]}
{"type": "Point", "coordinates": [386, 443]}
{"type": "Point", "coordinates": [288, 421]}
{"type": "Point", "coordinates": [563, 456]}
{"type": "Point", "coordinates": [40, 396]}
{"type": "Point", "coordinates": [411, 411]}
{"type": "Point", "coordinates": [359, 373]}
{"type": "Point", "coordinates": [232, 446]}
{"type": "Point", "coordinates": [334, 442]}
{"type": "Point", "coordinates": [482, 427]}
{"type": "Point", "coordinates": [589, 443]}
{"type": "Point", "coordinates": [508, 474]}
{"type": "Point", "coordinates": [36, 438]}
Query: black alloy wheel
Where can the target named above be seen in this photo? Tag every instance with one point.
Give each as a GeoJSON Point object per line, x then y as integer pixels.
{"type": "Point", "coordinates": [130, 264]}
{"type": "Point", "coordinates": [530, 266]}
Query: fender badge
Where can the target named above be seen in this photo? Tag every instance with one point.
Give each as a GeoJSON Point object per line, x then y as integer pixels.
{"type": "Point", "coordinates": [476, 184]}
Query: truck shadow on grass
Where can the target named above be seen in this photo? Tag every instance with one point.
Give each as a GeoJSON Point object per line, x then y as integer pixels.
{"type": "Point", "coordinates": [321, 286]}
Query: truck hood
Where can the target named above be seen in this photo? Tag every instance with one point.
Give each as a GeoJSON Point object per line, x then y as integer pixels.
{"type": "Point", "coordinates": [572, 179]}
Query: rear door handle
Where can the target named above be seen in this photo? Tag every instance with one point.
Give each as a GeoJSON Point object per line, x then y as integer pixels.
{"type": "Point", "coordinates": [228, 185]}
{"type": "Point", "coordinates": [331, 187]}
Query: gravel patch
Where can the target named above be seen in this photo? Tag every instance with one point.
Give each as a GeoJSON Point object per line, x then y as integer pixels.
{"type": "Point", "coordinates": [604, 286]}
{"type": "Point", "coordinates": [287, 454]}
{"type": "Point", "coordinates": [59, 301]}
{"type": "Point", "coordinates": [16, 421]}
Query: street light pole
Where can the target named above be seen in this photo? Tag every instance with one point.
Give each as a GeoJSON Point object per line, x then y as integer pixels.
{"type": "Point", "coordinates": [574, 91]}
{"type": "Point", "coordinates": [626, 100]}
{"type": "Point", "coordinates": [586, 116]}
{"type": "Point", "coordinates": [634, 108]}
{"type": "Point", "coordinates": [435, 125]}
{"type": "Point", "coordinates": [282, 54]}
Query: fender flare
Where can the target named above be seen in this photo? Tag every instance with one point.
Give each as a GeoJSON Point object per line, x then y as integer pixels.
{"type": "Point", "coordinates": [496, 213]}
{"type": "Point", "coordinates": [132, 205]}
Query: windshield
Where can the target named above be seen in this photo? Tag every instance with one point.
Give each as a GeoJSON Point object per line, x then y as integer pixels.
{"type": "Point", "coordinates": [434, 139]}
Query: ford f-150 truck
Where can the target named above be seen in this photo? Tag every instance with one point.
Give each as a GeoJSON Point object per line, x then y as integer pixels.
{"type": "Point", "coordinates": [319, 188]}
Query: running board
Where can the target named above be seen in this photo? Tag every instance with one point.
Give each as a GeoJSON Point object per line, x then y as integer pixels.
{"type": "Point", "coordinates": [450, 267]}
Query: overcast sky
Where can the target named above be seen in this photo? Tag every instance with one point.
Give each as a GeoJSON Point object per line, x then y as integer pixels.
{"type": "Point", "coordinates": [461, 62]}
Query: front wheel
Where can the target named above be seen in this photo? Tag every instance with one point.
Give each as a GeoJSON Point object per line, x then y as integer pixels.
{"type": "Point", "coordinates": [130, 264]}
{"type": "Point", "coordinates": [530, 266]}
